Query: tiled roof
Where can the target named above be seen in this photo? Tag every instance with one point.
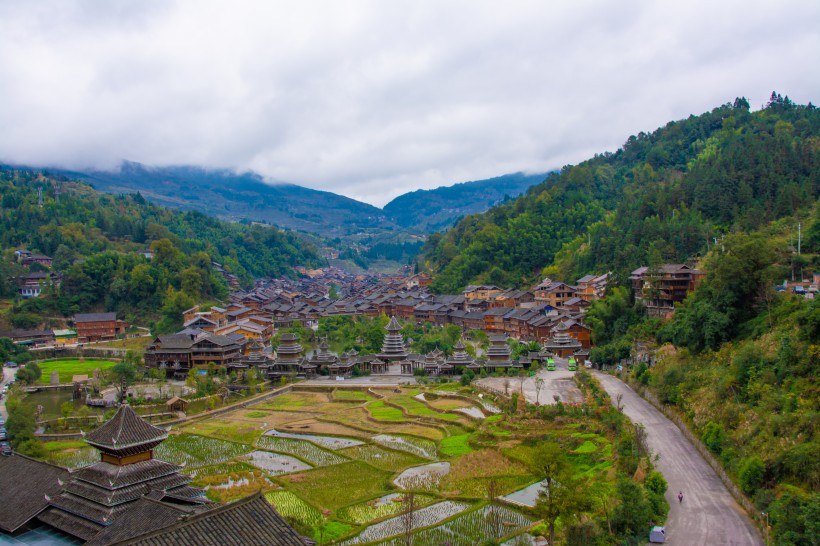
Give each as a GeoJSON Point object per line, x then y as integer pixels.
{"type": "Point", "coordinates": [144, 516]}
{"type": "Point", "coordinates": [112, 476]}
{"type": "Point", "coordinates": [69, 523]}
{"type": "Point", "coordinates": [248, 521]}
{"type": "Point", "coordinates": [94, 317]}
{"type": "Point", "coordinates": [24, 483]}
{"type": "Point", "coordinates": [176, 341]}
{"type": "Point", "coordinates": [125, 430]}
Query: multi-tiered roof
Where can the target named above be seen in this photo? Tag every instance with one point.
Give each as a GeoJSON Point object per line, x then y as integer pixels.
{"type": "Point", "coordinates": [97, 495]}
{"type": "Point", "coordinates": [393, 345]}
{"type": "Point", "coordinates": [460, 357]}
{"type": "Point", "coordinates": [498, 353]}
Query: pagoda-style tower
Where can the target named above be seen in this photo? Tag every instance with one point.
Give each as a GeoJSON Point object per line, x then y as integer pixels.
{"type": "Point", "coordinates": [256, 358]}
{"type": "Point", "coordinates": [562, 344]}
{"type": "Point", "coordinates": [97, 494]}
{"type": "Point", "coordinates": [460, 357]}
{"type": "Point", "coordinates": [289, 355]}
{"type": "Point", "coordinates": [393, 345]}
{"type": "Point", "coordinates": [498, 353]}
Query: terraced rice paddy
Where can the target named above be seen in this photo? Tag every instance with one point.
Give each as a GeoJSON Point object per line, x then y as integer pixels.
{"type": "Point", "coordinates": [387, 505]}
{"type": "Point", "coordinates": [471, 528]}
{"type": "Point", "coordinates": [416, 446]}
{"type": "Point", "coordinates": [525, 497]}
{"type": "Point", "coordinates": [337, 463]}
{"type": "Point", "coordinates": [475, 413]}
{"type": "Point", "coordinates": [302, 449]}
{"type": "Point", "coordinates": [330, 442]}
{"type": "Point", "coordinates": [191, 450]}
{"type": "Point", "coordinates": [385, 459]}
{"type": "Point", "coordinates": [423, 517]}
{"type": "Point", "coordinates": [291, 506]}
{"type": "Point", "coordinates": [426, 477]}
{"type": "Point", "coordinates": [275, 464]}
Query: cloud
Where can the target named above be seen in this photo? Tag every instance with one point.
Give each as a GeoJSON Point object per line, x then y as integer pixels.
{"type": "Point", "coordinates": [372, 99]}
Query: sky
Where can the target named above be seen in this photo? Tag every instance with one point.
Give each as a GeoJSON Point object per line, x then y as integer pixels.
{"type": "Point", "coordinates": [372, 99]}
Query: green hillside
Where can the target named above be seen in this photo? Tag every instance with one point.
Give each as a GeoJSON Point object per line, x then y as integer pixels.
{"type": "Point", "coordinates": [97, 242]}
{"type": "Point", "coordinates": [661, 195]}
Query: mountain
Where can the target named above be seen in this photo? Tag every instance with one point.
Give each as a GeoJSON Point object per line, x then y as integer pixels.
{"type": "Point", "coordinates": [426, 211]}
{"type": "Point", "coordinates": [660, 197]}
{"type": "Point", "coordinates": [246, 196]}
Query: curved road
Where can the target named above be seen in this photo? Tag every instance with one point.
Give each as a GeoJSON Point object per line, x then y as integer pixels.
{"type": "Point", "coordinates": [708, 515]}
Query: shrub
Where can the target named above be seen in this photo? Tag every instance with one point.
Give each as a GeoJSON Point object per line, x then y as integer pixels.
{"type": "Point", "coordinates": [751, 474]}
{"type": "Point", "coordinates": [714, 436]}
{"type": "Point", "coordinates": [655, 483]}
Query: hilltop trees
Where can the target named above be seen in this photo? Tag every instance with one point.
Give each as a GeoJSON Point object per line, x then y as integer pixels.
{"type": "Point", "coordinates": [670, 192]}
{"type": "Point", "coordinates": [122, 254]}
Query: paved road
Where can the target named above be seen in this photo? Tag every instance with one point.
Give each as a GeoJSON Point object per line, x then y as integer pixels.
{"type": "Point", "coordinates": [708, 516]}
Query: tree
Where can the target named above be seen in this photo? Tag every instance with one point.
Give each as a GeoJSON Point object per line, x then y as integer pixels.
{"type": "Point", "coordinates": [123, 374]}
{"type": "Point", "coordinates": [30, 373]}
{"type": "Point", "coordinates": [492, 498]}
{"type": "Point", "coordinates": [631, 516]}
{"type": "Point", "coordinates": [539, 384]}
{"type": "Point", "coordinates": [408, 516]}
{"type": "Point", "coordinates": [562, 495]}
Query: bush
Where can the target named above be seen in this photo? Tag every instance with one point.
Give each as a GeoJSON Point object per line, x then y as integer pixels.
{"type": "Point", "coordinates": [655, 483]}
{"type": "Point", "coordinates": [714, 436]}
{"type": "Point", "coordinates": [751, 474]}
{"type": "Point", "coordinates": [30, 373]}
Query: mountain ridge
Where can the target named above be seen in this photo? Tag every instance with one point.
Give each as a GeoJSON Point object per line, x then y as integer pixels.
{"type": "Point", "coordinates": [246, 196]}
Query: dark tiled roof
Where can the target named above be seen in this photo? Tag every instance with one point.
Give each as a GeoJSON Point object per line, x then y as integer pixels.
{"type": "Point", "coordinates": [176, 341]}
{"type": "Point", "coordinates": [125, 430]}
{"type": "Point", "coordinates": [69, 523]}
{"type": "Point", "coordinates": [24, 483]}
{"type": "Point", "coordinates": [95, 317]}
{"type": "Point", "coordinates": [144, 516]}
{"type": "Point", "coordinates": [218, 340]}
{"type": "Point", "coordinates": [245, 522]}
{"type": "Point", "coordinates": [112, 476]}
{"type": "Point", "coordinates": [111, 497]}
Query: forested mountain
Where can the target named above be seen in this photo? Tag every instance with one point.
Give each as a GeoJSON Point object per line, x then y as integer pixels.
{"type": "Point", "coordinates": [426, 211]}
{"type": "Point", "coordinates": [662, 196]}
{"type": "Point", "coordinates": [98, 242]}
{"type": "Point", "coordinates": [231, 196]}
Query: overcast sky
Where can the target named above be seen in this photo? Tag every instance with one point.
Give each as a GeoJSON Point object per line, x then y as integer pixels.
{"type": "Point", "coordinates": [371, 99]}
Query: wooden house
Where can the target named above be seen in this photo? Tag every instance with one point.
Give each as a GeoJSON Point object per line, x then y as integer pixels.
{"type": "Point", "coordinates": [98, 326]}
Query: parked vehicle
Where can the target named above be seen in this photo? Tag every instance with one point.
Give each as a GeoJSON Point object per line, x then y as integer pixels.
{"type": "Point", "coordinates": [657, 535]}
{"type": "Point", "coordinates": [572, 365]}
{"type": "Point", "coordinates": [5, 448]}
{"type": "Point", "coordinates": [551, 365]}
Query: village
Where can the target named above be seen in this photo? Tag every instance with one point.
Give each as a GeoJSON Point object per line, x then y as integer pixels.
{"type": "Point", "coordinates": [237, 336]}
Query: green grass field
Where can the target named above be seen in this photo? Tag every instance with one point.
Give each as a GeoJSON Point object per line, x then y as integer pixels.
{"type": "Point", "coordinates": [70, 367]}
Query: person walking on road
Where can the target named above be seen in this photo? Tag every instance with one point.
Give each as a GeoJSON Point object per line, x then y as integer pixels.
{"type": "Point", "coordinates": [680, 497]}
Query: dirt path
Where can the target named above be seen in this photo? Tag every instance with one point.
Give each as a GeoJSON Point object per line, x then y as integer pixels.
{"type": "Point", "coordinates": [708, 515]}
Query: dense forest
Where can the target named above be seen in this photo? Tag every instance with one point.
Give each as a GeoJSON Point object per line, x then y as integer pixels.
{"type": "Point", "coordinates": [663, 195]}
{"type": "Point", "coordinates": [101, 244]}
